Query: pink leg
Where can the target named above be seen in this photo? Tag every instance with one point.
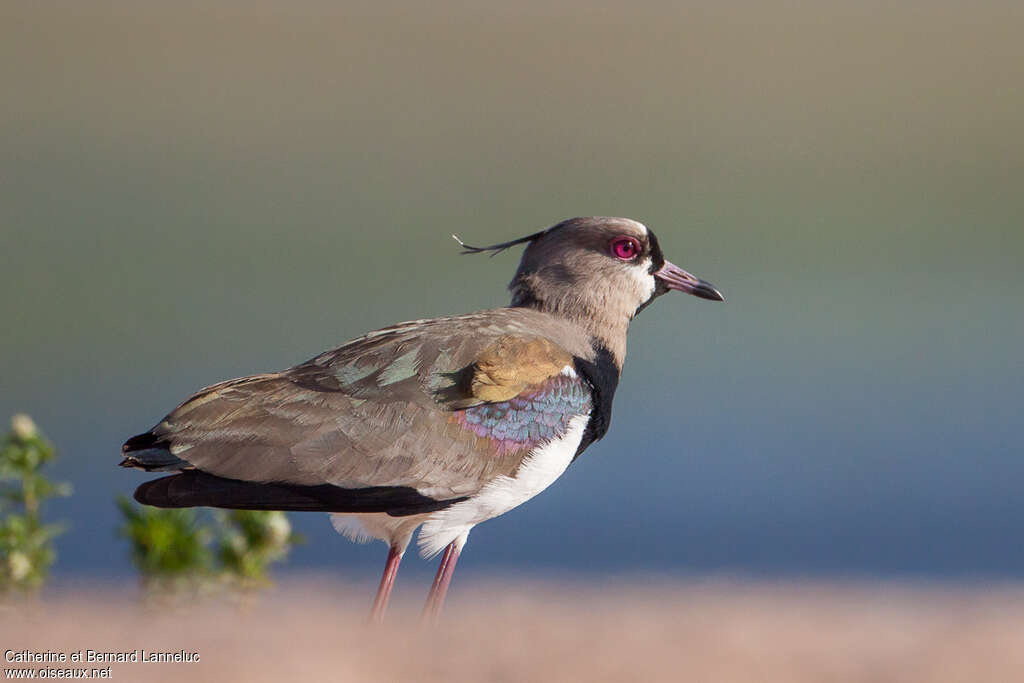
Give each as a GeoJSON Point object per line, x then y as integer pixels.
{"type": "Point", "coordinates": [432, 610]}
{"type": "Point", "coordinates": [380, 604]}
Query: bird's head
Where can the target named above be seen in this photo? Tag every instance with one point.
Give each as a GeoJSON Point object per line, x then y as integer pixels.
{"type": "Point", "coordinates": [596, 267]}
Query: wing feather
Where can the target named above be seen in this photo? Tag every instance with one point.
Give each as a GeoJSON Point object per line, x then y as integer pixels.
{"type": "Point", "coordinates": [440, 406]}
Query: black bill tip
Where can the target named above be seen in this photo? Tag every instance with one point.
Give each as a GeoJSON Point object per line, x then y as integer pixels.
{"type": "Point", "coordinates": [705, 290]}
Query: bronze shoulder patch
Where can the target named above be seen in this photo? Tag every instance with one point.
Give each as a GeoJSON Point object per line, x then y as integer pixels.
{"type": "Point", "coordinates": [513, 363]}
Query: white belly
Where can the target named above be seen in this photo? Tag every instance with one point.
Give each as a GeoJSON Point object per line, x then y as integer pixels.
{"type": "Point", "coordinates": [537, 472]}
{"type": "Point", "coordinates": [364, 527]}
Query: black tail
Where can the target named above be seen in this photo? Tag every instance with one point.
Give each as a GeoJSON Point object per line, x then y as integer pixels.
{"type": "Point", "coordinates": [193, 488]}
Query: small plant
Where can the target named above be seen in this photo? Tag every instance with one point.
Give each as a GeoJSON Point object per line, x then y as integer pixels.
{"type": "Point", "coordinates": [26, 544]}
{"type": "Point", "coordinates": [169, 547]}
{"type": "Point", "coordinates": [250, 541]}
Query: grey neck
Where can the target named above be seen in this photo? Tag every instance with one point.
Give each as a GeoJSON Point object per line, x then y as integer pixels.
{"type": "Point", "coordinates": [605, 325]}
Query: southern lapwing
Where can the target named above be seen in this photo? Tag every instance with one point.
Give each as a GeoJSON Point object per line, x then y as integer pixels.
{"type": "Point", "coordinates": [433, 424]}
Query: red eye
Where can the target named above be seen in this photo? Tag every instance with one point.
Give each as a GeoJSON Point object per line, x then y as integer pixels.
{"type": "Point", "coordinates": [625, 248]}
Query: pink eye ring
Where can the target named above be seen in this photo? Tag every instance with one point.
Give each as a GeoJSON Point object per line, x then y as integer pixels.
{"type": "Point", "coordinates": [625, 248]}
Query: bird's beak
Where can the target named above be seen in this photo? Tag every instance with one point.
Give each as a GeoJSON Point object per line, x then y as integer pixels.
{"type": "Point", "coordinates": [672, 276]}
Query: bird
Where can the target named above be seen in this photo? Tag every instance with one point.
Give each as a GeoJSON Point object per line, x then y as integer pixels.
{"type": "Point", "coordinates": [434, 424]}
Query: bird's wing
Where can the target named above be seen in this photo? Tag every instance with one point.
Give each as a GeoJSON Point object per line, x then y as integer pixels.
{"type": "Point", "coordinates": [439, 406]}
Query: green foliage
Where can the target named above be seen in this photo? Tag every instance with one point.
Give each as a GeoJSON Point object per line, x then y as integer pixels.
{"type": "Point", "coordinates": [250, 541]}
{"type": "Point", "coordinates": [26, 544]}
{"type": "Point", "coordinates": [171, 547]}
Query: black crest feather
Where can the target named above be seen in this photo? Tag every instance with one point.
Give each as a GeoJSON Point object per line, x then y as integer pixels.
{"type": "Point", "coordinates": [497, 248]}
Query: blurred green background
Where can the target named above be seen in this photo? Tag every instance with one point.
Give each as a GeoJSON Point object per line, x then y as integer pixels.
{"type": "Point", "coordinates": [195, 191]}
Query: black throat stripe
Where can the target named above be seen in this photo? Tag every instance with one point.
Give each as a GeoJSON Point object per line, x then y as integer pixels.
{"type": "Point", "coordinates": [603, 377]}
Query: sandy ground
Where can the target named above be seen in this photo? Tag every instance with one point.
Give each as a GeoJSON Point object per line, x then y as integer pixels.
{"type": "Point", "coordinates": [638, 630]}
